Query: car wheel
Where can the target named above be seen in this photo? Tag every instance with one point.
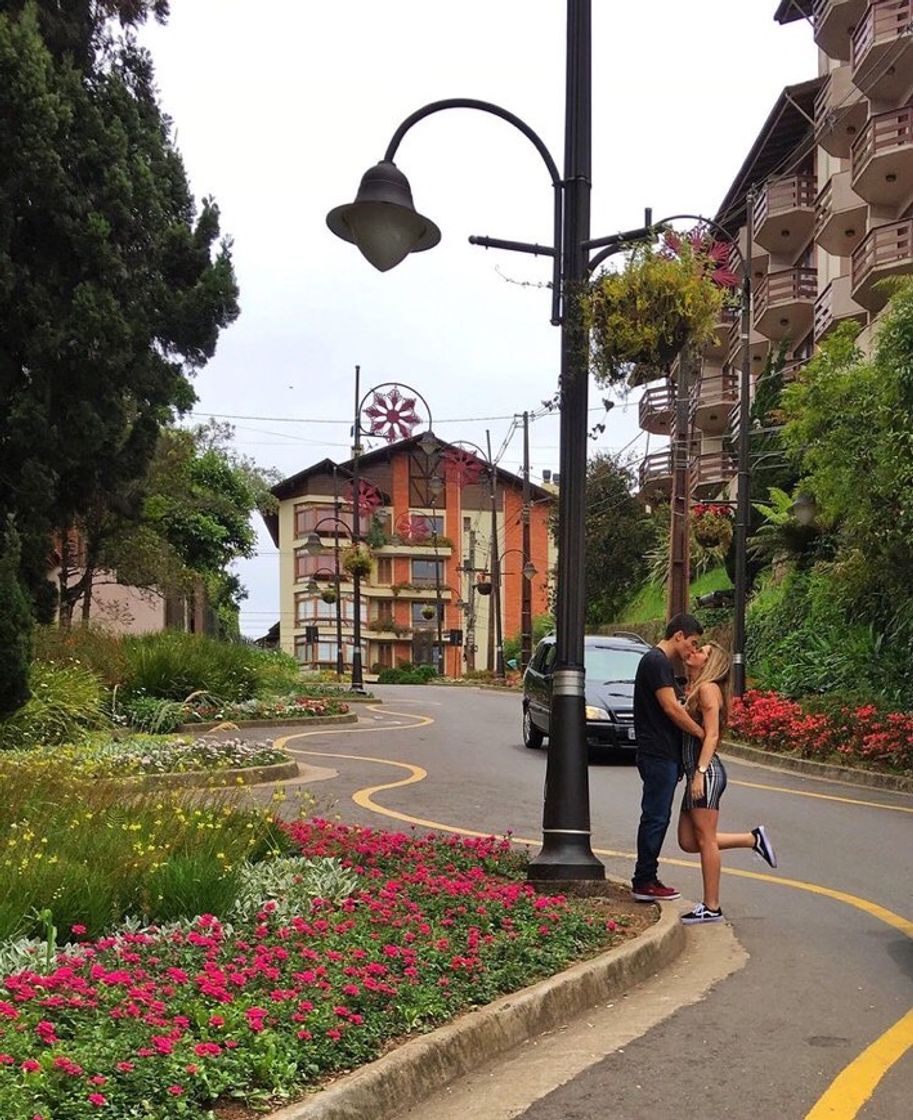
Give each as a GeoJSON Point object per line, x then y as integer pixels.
{"type": "Point", "coordinates": [532, 736]}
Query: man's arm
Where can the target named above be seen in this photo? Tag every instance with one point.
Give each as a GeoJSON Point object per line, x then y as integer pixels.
{"type": "Point", "coordinates": [667, 700]}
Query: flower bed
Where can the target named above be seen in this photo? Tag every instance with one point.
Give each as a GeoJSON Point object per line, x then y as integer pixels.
{"type": "Point", "coordinates": [277, 708]}
{"type": "Point", "coordinates": [142, 754]}
{"type": "Point", "coordinates": [856, 735]}
{"type": "Point", "coordinates": [164, 1023]}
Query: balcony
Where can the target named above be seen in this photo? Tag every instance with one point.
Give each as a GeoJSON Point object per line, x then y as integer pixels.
{"type": "Point", "coordinates": [656, 475]}
{"type": "Point", "coordinates": [715, 398]}
{"type": "Point", "coordinates": [883, 158]}
{"type": "Point", "coordinates": [834, 22]}
{"type": "Point", "coordinates": [840, 113]}
{"type": "Point", "coordinates": [886, 251]}
{"type": "Point", "coordinates": [784, 303]}
{"type": "Point", "coordinates": [835, 305]}
{"type": "Point", "coordinates": [656, 409]}
{"type": "Point", "coordinates": [758, 348]}
{"type": "Point", "coordinates": [711, 472]}
{"type": "Point", "coordinates": [840, 216]}
{"type": "Point", "coordinates": [882, 57]}
{"type": "Point", "coordinates": [784, 214]}
{"type": "Point", "coordinates": [718, 346]}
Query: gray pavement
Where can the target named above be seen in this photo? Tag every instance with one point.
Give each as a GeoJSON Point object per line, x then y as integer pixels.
{"type": "Point", "coordinates": [830, 958]}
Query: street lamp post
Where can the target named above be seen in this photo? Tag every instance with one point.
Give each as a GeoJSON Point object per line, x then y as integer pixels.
{"type": "Point", "coordinates": [314, 546]}
{"type": "Point", "coordinates": [385, 226]}
{"type": "Point", "coordinates": [392, 416]}
{"type": "Point", "coordinates": [528, 571]}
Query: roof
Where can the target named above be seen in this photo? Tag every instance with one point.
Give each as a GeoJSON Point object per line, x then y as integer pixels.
{"type": "Point", "coordinates": [788, 11]}
{"type": "Point", "coordinates": [788, 126]}
{"type": "Point", "coordinates": [288, 487]}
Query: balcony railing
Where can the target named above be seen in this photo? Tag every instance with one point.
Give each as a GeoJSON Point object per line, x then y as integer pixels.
{"type": "Point", "coordinates": [882, 156]}
{"type": "Point", "coordinates": [789, 193]}
{"type": "Point", "coordinates": [711, 471]}
{"type": "Point", "coordinates": [656, 408]}
{"type": "Point", "coordinates": [777, 289]}
{"type": "Point", "coordinates": [886, 251]}
{"type": "Point", "coordinates": [656, 470]}
{"type": "Point", "coordinates": [877, 68]}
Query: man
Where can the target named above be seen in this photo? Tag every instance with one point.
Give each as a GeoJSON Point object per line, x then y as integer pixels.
{"type": "Point", "coordinates": [659, 720]}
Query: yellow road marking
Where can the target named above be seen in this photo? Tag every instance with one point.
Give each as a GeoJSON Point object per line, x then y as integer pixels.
{"type": "Point", "coordinates": [856, 1083]}
{"type": "Point", "coordinates": [825, 796]}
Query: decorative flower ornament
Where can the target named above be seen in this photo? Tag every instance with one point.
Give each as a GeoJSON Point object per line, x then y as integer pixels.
{"type": "Point", "coordinates": [413, 528]}
{"type": "Point", "coordinates": [711, 256]}
{"type": "Point", "coordinates": [462, 467]}
{"type": "Point", "coordinates": [368, 498]}
{"type": "Point", "coordinates": [391, 415]}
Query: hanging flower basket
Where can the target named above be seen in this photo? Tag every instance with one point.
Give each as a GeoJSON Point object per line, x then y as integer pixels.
{"type": "Point", "coordinates": [358, 561]}
{"type": "Point", "coordinates": [641, 317]}
{"type": "Point", "coordinates": [428, 611]}
{"type": "Point", "coordinates": [484, 586]}
{"type": "Point", "coordinates": [712, 531]}
{"type": "Point", "coordinates": [328, 595]}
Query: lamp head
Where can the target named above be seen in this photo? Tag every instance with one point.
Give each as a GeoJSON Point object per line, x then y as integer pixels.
{"type": "Point", "coordinates": [313, 587]}
{"type": "Point", "coordinates": [313, 544]}
{"type": "Point", "coordinates": [428, 442]}
{"type": "Point", "coordinates": [529, 569]}
{"type": "Point", "coordinates": [382, 221]}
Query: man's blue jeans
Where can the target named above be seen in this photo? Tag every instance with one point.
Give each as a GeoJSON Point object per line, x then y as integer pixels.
{"type": "Point", "coordinates": [660, 777]}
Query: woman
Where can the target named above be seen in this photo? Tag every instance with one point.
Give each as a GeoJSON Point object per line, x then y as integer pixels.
{"type": "Point", "coordinates": [707, 701]}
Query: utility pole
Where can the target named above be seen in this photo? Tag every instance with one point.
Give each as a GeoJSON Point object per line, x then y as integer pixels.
{"type": "Point", "coordinates": [471, 601]}
{"type": "Point", "coordinates": [495, 568]}
{"type": "Point", "coordinates": [679, 529]}
{"type": "Point", "coordinates": [526, 587]}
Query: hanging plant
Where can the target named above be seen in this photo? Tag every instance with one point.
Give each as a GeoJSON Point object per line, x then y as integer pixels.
{"type": "Point", "coordinates": [483, 586]}
{"type": "Point", "coordinates": [712, 530]}
{"type": "Point", "coordinates": [640, 318]}
{"type": "Point", "coordinates": [328, 595]}
{"type": "Point", "coordinates": [427, 611]}
{"type": "Point", "coordinates": [358, 560]}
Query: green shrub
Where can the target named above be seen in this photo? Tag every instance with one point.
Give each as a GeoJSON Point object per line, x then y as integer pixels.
{"type": "Point", "coordinates": [405, 676]}
{"type": "Point", "coordinates": [151, 714]}
{"type": "Point", "coordinates": [426, 672]}
{"type": "Point", "coordinates": [275, 673]}
{"type": "Point", "coordinates": [15, 626]}
{"type": "Point", "coordinates": [172, 665]}
{"type": "Point", "coordinates": [91, 647]}
{"type": "Point", "coordinates": [66, 704]}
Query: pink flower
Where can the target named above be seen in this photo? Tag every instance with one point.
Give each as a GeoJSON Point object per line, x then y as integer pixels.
{"type": "Point", "coordinates": [175, 1090]}
{"type": "Point", "coordinates": [30, 1066]}
{"type": "Point", "coordinates": [98, 1100]}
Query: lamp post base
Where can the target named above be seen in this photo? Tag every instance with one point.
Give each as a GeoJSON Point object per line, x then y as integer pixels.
{"type": "Point", "coordinates": [565, 856]}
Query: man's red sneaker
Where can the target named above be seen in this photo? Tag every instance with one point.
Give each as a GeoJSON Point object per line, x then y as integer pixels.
{"type": "Point", "coordinates": [653, 892]}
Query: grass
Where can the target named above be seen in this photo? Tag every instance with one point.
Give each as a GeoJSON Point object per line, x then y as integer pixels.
{"type": "Point", "coordinates": [650, 602]}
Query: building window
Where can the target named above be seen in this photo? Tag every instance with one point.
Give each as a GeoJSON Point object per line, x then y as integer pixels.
{"type": "Point", "coordinates": [432, 523]}
{"type": "Point", "coordinates": [467, 524]}
{"type": "Point", "coordinates": [315, 653]}
{"type": "Point", "coordinates": [385, 570]}
{"type": "Point", "coordinates": [385, 610]}
{"type": "Point", "coordinates": [307, 565]}
{"type": "Point", "coordinates": [421, 493]}
{"type": "Point", "coordinates": [385, 655]}
{"type": "Point", "coordinates": [428, 572]}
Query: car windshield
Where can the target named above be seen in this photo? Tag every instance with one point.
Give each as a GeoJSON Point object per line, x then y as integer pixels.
{"type": "Point", "coordinates": [611, 666]}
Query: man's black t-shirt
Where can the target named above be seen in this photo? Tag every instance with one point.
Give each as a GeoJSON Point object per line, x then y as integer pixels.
{"type": "Point", "coordinates": [656, 733]}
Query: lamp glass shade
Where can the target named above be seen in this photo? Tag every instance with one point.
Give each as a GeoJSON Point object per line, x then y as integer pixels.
{"type": "Point", "coordinates": [313, 544]}
{"type": "Point", "coordinates": [384, 233]}
{"type": "Point", "coordinates": [529, 569]}
{"type": "Point", "coordinates": [428, 442]}
{"type": "Point", "coordinates": [313, 587]}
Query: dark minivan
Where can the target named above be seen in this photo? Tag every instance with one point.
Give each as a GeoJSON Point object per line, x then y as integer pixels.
{"type": "Point", "coordinates": [611, 661]}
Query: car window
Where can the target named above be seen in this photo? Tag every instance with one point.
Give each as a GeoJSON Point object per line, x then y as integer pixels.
{"type": "Point", "coordinates": [603, 663]}
{"type": "Point", "coordinates": [551, 657]}
{"type": "Point", "coordinates": [539, 656]}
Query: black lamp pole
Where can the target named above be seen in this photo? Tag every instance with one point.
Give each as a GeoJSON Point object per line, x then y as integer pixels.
{"type": "Point", "coordinates": [358, 681]}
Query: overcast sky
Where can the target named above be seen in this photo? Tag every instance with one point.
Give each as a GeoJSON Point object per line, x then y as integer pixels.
{"type": "Point", "coordinates": [281, 105]}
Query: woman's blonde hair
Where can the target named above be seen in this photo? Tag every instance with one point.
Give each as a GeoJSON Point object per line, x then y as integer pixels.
{"type": "Point", "coordinates": [716, 670]}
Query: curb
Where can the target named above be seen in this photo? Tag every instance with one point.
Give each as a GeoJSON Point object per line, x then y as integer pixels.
{"type": "Point", "coordinates": [243, 724]}
{"type": "Point", "coordinates": [209, 779]}
{"type": "Point", "coordinates": [846, 774]}
{"type": "Point", "coordinates": [404, 1077]}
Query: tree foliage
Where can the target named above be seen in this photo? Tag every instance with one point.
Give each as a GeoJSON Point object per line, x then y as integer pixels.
{"type": "Point", "coordinates": [15, 627]}
{"type": "Point", "coordinates": [850, 427]}
{"type": "Point", "coordinates": [619, 536]}
{"type": "Point", "coordinates": [114, 285]}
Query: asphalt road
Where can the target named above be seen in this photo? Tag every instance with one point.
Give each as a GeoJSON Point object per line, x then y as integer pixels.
{"type": "Point", "coordinates": [829, 934]}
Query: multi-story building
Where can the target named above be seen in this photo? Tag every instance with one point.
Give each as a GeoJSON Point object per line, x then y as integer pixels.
{"type": "Point", "coordinates": [430, 534]}
{"type": "Point", "coordinates": [831, 178]}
